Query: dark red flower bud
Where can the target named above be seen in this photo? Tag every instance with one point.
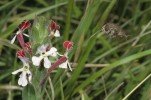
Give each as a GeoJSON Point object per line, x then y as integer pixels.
{"type": "Point", "coordinates": [48, 48]}
{"type": "Point", "coordinates": [27, 46]}
{"type": "Point", "coordinates": [68, 45]}
{"type": "Point", "coordinates": [54, 26]}
{"type": "Point", "coordinates": [20, 53]}
{"type": "Point", "coordinates": [24, 25]}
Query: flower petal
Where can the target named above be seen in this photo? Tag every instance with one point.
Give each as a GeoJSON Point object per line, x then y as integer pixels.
{"type": "Point", "coordinates": [25, 60]}
{"type": "Point", "coordinates": [23, 23]}
{"type": "Point", "coordinates": [68, 45]}
{"type": "Point", "coordinates": [41, 49]}
{"type": "Point", "coordinates": [13, 40]}
{"type": "Point", "coordinates": [57, 27]}
{"type": "Point", "coordinates": [52, 33]}
{"type": "Point", "coordinates": [63, 65]}
{"type": "Point", "coordinates": [52, 52]}
{"type": "Point", "coordinates": [20, 53]}
{"type": "Point", "coordinates": [26, 25]}
{"type": "Point", "coordinates": [47, 63]}
{"type": "Point", "coordinates": [69, 66]}
{"type": "Point", "coordinates": [36, 60]}
{"type": "Point", "coordinates": [57, 33]}
{"type": "Point", "coordinates": [30, 76]}
{"type": "Point", "coordinates": [27, 46]}
{"type": "Point", "coordinates": [26, 35]}
{"type": "Point", "coordinates": [17, 71]}
{"type": "Point", "coordinates": [59, 54]}
{"type": "Point", "coordinates": [52, 25]}
{"type": "Point", "coordinates": [22, 80]}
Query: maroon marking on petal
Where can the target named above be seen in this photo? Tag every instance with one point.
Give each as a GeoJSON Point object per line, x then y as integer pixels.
{"type": "Point", "coordinates": [65, 44]}
{"type": "Point", "coordinates": [24, 25]}
{"type": "Point", "coordinates": [57, 27]}
{"type": "Point", "coordinates": [70, 45]}
{"type": "Point", "coordinates": [19, 27]}
{"type": "Point", "coordinates": [48, 48]}
{"type": "Point", "coordinates": [21, 39]}
{"type": "Point", "coordinates": [54, 26]}
{"type": "Point", "coordinates": [27, 46]}
{"type": "Point", "coordinates": [20, 53]}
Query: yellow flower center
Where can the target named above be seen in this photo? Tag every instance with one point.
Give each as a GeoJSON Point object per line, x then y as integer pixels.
{"type": "Point", "coordinates": [26, 68]}
{"type": "Point", "coordinates": [43, 54]}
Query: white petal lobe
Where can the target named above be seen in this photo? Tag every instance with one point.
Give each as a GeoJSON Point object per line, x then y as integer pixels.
{"type": "Point", "coordinates": [69, 66]}
{"type": "Point", "coordinates": [63, 65]}
{"type": "Point", "coordinates": [24, 79]}
{"type": "Point", "coordinates": [47, 63]}
{"type": "Point", "coordinates": [52, 52]}
{"type": "Point", "coordinates": [36, 60]}
{"type": "Point", "coordinates": [57, 33]}
{"type": "Point", "coordinates": [20, 81]}
{"type": "Point", "coordinates": [13, 40]}
{"type": "Point", "coordinates": [30, 76]}
{"type": "Point", "coordinates": [17, 71]}
{"type": "Point", "coordinates": [41, 49]}
{"type": "Point", "coordinates": [26, 35]}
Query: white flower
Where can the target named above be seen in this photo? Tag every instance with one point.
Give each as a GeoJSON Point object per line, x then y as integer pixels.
{"type": "Point", "coordinates": [66, 64]}
{"type": "Point", "coordinates": [24, 25]}
{"type": "Point", "coordinates": [44, 56]}
{"type": "Point", "coordinates": [25, 76]}
{"type": "Point", "coordinates": [68, 45]}
{"type": "Point", "coordinates": [54, 29]}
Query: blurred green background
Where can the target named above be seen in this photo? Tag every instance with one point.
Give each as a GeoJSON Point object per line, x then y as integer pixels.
{"type": "Point", "coordinates": [105, 68]}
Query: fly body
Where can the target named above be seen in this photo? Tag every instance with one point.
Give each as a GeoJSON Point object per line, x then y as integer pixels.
{"type": "Point", "coordinates": [113, 30]}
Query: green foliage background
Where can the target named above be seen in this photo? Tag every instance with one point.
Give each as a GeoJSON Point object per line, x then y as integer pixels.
{"type": "Point", "coordinates": [106, 68]}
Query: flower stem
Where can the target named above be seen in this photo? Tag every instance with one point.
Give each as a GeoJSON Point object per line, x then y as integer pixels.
{"type": "Point", "coordinates": [57, 63]}
{"type": "Point", "coordinates": [21, 39]}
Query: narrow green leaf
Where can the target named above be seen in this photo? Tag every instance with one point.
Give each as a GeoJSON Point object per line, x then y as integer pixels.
{"type": "Point", "coordinates": [8, 44]}
{"type": "Point", "coordinates": [29, 93]}
{"type": "Point", "coordinates": [114, 65]}
{"type": "Point", "coordinates": [68, 20]}
{"type": "Point", "coordinates": [9, 4]}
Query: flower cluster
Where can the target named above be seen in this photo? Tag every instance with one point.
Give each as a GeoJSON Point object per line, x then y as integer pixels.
{"type": "Point", "coordinates": [43, 54]}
